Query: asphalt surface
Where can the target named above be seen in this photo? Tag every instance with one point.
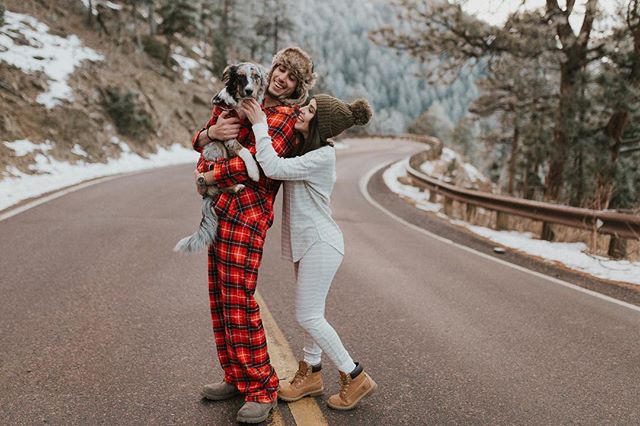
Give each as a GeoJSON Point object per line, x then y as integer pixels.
{"type": "Point", "coordinates": [103, 324]}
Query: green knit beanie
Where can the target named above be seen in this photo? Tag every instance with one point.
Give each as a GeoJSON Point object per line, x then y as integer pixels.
{"type": "Point", "coordinates": [335, 116]}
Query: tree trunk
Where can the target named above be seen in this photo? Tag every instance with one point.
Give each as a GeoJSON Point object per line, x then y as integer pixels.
{"type": "Point", "coordinates": [620, 120]}
{"type": "Point", "coordinates": [574, 49]}
{"type": "Point", "coordinates": [221, 39]}
{"type": "Point", "coordinates": [565, 118]}
{"type": "Point", "coordinates": [167, 54]}
{"type": "Point", "coordinates": [514, 156]}
{"type": "Point", "coordinates": [90, 13]}
{"type": "Point", "coordinates": [151, 17]}
{"type": "Point", "coordinates": [275, 36]}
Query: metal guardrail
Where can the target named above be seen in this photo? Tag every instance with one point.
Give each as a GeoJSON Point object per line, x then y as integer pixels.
{"type": "Point", "coordinates": [621, 226]}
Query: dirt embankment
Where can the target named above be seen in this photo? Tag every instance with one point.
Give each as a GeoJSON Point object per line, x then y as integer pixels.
{"type": "Point", "coordinates": [176, 108]}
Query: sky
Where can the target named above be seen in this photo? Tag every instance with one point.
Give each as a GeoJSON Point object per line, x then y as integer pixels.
{"type": "Point", "coordinates": [496, 12]}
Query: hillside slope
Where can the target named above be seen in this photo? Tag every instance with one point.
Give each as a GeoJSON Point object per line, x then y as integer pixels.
{"type": "Point", "coordinates": [45, 39]}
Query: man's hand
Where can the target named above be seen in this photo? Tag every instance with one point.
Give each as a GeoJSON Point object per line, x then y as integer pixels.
{"type": "Point", "coordinates": [227, 127]}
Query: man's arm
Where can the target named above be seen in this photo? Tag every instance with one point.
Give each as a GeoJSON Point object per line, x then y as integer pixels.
{"type": "Point", "coordinates": [281, 123]}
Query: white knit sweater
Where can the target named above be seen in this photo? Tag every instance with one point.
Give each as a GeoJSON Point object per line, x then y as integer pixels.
{"type": "Point", "coordinates": [308, 183]}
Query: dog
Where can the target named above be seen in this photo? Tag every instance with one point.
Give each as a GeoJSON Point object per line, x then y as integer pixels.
{"type": "Point", "coordinates": [241, 81]}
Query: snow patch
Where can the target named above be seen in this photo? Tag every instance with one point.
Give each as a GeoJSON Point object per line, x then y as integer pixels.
{"type": "Point", "coordinates": [52, 55]}
{"type": "Point", "coordinates": [340, 145]}
{"type": "Point", "coordinates": [473, 173]}
{"type": "Point", "coordinates": [187, 65]}
{"type": "Point", "coordinates": [571, 255]}
{"type": "Point", "coordinates": [23, 147]}
{"type": "Point", "coordinates": [77, 150]}
{"type": "Point", "coordinates": [419, 197]}
{"type": "Point", "coordinates": [448, 155]}
{"type": "Point", "coordinates": [197, 51]}
{"type": "Point", "coordinates": [427, 167]}
{"type": "Point", "coordinates": [53, 174]}
{"type": "Point", "coordinates": [112, 5]}
{"type": "Point", "coordinates": [94, 11]}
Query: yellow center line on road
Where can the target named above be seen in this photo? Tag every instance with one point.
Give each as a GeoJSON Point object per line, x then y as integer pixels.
{"type": "Point", "coordinates": [305, 411]}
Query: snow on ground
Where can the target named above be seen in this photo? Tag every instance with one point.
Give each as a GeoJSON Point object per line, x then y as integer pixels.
{"type": "Point", "coordinates": [55, 56]}
{"type": "Point", "coordinates": [473, 173]}
{"type": "Point", "coordinates": [187, 64]}
{"type": "Point", "coordinates": [571, 255]}
{"type": "Point", "coordinates": [94, 11]}
{"type": "Point", "coordinates": [340, 145]}
{"type": "Point", "coordinates": [23, 147]}
{"type": "Point", "coordinates": [419, 197]}
{"type": "Point", "coordinates": [16, 186]}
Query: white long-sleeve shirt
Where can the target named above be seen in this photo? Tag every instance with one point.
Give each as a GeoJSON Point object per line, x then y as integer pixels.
{"type": "Point", "coordinates": [308, 183]}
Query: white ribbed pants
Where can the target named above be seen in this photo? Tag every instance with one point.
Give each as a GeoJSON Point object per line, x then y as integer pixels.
{"type": "Point", "coordinates": [314, 274]}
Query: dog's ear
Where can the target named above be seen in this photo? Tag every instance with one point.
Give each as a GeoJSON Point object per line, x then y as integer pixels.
{"type": "Point", "coordinates": [262, 75]}
{"type": "Point", "coordinates": [262, 72]}
{"type": "Point", "coordinates": [229, 73]}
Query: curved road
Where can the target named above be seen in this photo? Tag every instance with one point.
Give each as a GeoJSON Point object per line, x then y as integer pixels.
{"type": "Point", "coordinates": [103, 324]}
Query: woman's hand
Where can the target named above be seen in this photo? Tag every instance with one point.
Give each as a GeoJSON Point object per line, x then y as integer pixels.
{"type": "Point", "coordinates": [254, 112]}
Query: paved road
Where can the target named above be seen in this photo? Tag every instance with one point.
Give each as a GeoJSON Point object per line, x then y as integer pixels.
{"type": "Point", "coordinates": [103, 324]}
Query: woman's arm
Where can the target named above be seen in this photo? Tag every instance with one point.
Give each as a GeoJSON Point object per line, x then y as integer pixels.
{"type": "Point", "coordinates": [275, 167]}
{"type": "Point", "coordinates": [297, 168]}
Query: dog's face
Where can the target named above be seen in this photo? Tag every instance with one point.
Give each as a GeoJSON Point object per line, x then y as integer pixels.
{"type": "Point", "coordinates": [245, 80]}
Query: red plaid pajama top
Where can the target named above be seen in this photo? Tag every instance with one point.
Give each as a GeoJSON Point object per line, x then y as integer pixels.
{"type": "Point", "coordinates": [234, 259]}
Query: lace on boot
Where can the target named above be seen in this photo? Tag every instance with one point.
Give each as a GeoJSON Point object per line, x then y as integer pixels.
{"type": "Point", "coordinates": [344, 382]}
{"type": "Point", "coordinates": [303, 371]}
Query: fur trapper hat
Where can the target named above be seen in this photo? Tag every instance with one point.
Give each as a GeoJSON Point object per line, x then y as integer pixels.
{"type": "Point", "coordinates": [299, 63]}
{"type": "Point", "coordinates": [335, 116]}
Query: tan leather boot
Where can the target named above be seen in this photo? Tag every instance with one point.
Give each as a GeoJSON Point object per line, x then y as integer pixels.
{"type": "Point", "coordinates": [352, 390]}
{"type": "Point", "coordinates": [304, 383]}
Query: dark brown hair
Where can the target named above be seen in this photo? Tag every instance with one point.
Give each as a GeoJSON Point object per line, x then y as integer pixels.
{"type": "Point", "coordinates": [312, 142]}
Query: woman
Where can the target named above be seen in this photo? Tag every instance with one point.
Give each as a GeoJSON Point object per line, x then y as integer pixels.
{"type": "Point", "coordinates": [312, 240]}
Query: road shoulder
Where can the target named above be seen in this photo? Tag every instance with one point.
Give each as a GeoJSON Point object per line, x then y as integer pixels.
{"type": "Point", "coordinates": [379, 191]}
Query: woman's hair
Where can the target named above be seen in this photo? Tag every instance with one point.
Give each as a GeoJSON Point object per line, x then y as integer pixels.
{"type": "Point", "coordinates": [313, 140]}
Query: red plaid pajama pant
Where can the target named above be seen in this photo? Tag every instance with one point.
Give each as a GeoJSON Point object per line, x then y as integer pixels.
{"type": "Point", "coordinates": [241, 344]}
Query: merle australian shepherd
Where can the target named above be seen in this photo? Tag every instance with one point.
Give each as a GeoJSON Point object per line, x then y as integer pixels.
{"type": "Point", "coordinates": [241, 81]}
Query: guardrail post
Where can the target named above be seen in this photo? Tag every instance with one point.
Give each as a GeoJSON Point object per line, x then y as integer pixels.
{"type": "Point", "coordinates": [433, 196]}
{"type": "Point", "coordinates": [448, 206]}
{"type": "Point", "coordinates": [469, 212]}
{"type": "Point", "coordinates": [617, 247]}
{"type": "Point", "coordinates": [547, 232]}
{"type": "Point", "coordinates": [502, 221]}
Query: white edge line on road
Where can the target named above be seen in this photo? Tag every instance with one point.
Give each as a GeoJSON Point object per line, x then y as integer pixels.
{"type": "Point", "coordinates": [365, 193]}
{"type": "Point", "coordinates": [53, 196]}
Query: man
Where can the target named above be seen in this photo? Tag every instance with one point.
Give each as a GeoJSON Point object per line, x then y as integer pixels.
{"type": "Point", "coordinates": [244, 219]}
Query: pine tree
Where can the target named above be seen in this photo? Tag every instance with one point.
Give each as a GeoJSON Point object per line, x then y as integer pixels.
{"type": "Point", "coordinates": [443, 30]}
{"type": "Point", "coordinates": [433, 122]}
{"type": "Point", "coordinates": [178, 17]}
